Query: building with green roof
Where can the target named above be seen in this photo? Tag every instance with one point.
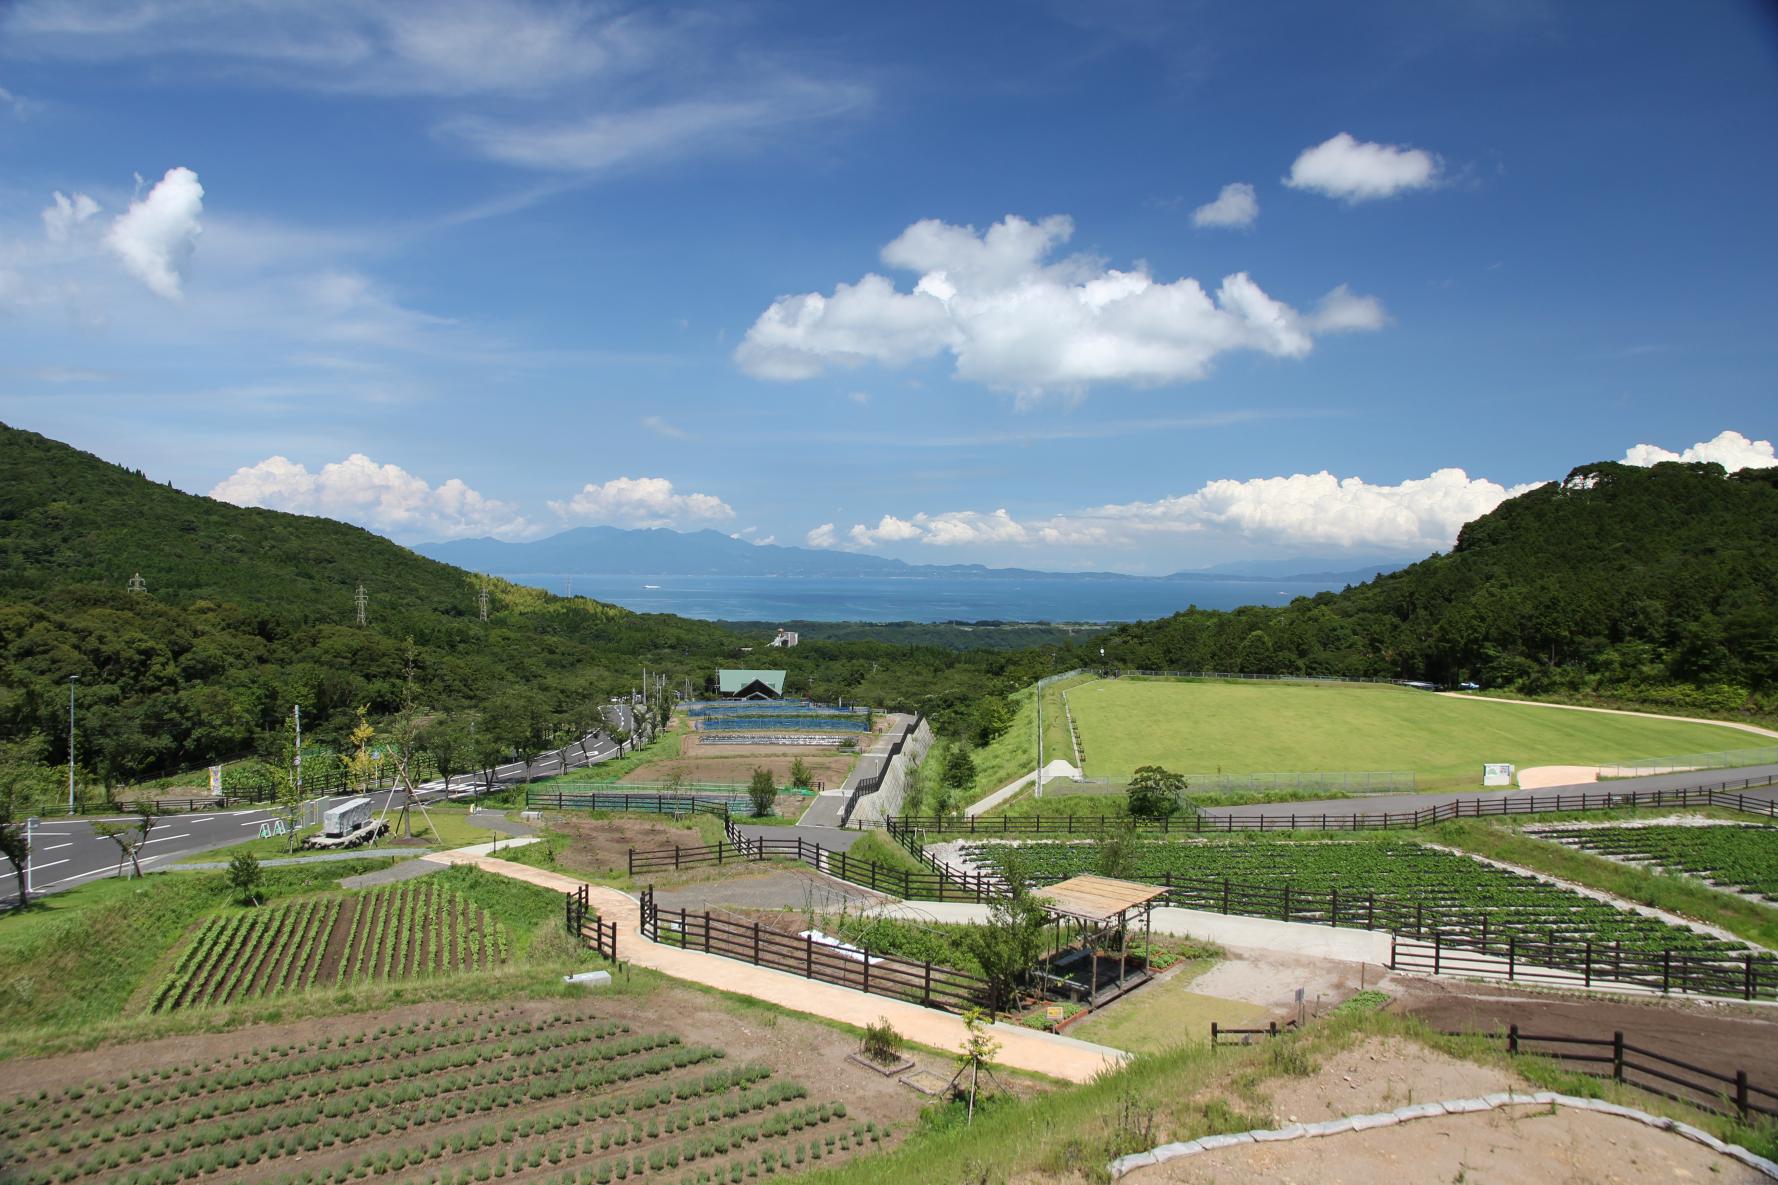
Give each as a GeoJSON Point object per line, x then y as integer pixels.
{"type": "Point", "coordinates": [750, 684]}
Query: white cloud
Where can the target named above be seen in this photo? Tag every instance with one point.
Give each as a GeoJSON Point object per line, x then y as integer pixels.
{"type": "Point", "coordinates": [156, 236]}
{"type": "Point", "coordinates": [641, 502]}
{"type": "Point", "coordinates": [1360, 171]}
{"type": "Point", "coordinates": [1015, 322]}
{"type": "Point", "coordinates": [861, 398]}
{"type": "Point", "coordinates": [661, 427]}
{"type": "Point", "coordinates": [821, 536]}
{"type": "Point", "coordinates": [1729, 449]}
{"type": "Point", "coordinates": [889, 530]}
{"type": "Point", "coordinates": [1236, 205]}
{"type": "Point", "coordinates": [65, 213]}
{"type": "Point", "coordinates": [384, 498]}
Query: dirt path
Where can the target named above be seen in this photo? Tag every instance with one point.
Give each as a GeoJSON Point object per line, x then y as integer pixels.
{"type": "Point", "coordinates": [1024, 1049]}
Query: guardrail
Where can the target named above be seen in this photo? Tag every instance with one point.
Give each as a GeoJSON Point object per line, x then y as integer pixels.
{"type": "Point", "coordinates": [1731, 1095]}
{"type": "Point", "coordinates": [927, 984]}
{"type": "Point", "coordinates": [1718, 795]}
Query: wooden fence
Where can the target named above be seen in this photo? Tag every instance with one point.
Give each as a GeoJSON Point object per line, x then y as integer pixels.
{"type": "Point", "coordinates": [931, 985]}
{"type": "Point", "coordinates": [587, 926]}
{"type": "Point", "coordinates": [740, 849]}
{"type": "Point", "coordinates": [1719, 795]}
{"type": "Point", "coordinates": [1567, 961]}
{"type": "Point", "coordinates": [1613, 1057]}
{"type": "Point", "coordinates": [603, 800]}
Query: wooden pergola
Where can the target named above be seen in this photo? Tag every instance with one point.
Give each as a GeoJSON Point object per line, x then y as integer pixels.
{"type": "Point", "coordinates": [1093, 910]}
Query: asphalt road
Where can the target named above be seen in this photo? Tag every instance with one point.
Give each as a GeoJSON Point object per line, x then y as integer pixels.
{"type": "Point", "coordinates": [1376, 804]}
{"type": "Point", "coordinates": [67, 851]}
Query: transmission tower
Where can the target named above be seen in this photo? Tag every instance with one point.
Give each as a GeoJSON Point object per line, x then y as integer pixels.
{"type": "Point", "coordinates": [137, 584]}
{"type": "Point", "coordinates": [361, 599]}
{"type": "Point", "coordinates": [482, 598]}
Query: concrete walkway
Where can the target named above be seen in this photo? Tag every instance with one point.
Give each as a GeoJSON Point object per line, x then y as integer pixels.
{"type": "Point", "coordinates": [1056, 771]}
{"type": "Point", "coordinates": [1021, 1048]}
{"type": "Point", "coordinates": [829, 806]}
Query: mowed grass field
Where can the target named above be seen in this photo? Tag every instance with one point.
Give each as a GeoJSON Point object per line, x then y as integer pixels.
{"type": "Point", "coordinates": [1203, 727]}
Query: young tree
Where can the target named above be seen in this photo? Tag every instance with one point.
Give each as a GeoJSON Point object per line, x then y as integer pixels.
{"type": "Point", "coordinates": [959, 772]}
{"type": "Point", "coordinates": [1115, 856]}
{"type": "Point", "coordinates": [286, 790]}
{"type": "Point", "coordinates": [1008, 944]}
{"type": "Point", "coordinates": [15, 843]}
{"type": "Point", "coordinates": [488, 752]}
{"type": "Point", "coordinates": [1154, 792]}
{"type": "Point", "coordinates": [361, 765]}
{"type": "Point", "coordinates": [800, 775]}
{"type": "Point", "coordinates": [244, 876]}
{"type": "Point", "coordinates": [761, 792]}
{"type": "Point", "coordinates": [129, 837]}
{"type": "Point", "coordinates": [978, 1054]}
{"type": "Point", "coordinates": [445, 739]}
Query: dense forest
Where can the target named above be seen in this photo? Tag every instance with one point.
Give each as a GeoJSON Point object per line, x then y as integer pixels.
{"type": "Point", "coordinates": [1657, 586]}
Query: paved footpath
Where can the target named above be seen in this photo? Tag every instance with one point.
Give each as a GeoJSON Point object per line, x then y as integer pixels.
{"type": "Point", "coordinates": [1020, 1048]}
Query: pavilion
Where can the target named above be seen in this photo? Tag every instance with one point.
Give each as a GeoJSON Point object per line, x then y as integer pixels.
{"type": "Point", "coordinates": [1090, 960]}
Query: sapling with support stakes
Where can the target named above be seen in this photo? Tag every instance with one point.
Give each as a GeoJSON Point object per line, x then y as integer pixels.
{"type": "Point", "coordinates": [978, 1050]}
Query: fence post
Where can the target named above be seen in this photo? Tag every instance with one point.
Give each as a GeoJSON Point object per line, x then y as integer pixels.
{"type": "Point", "coordinates": [1666, 970]}
{"type": "Point", "coordinates": [1741, 1093]}
{"type": "Point", "coordinates": [1286, 901]}
{"type": "Point", "coordinates": [706, 931]}
{"type": "Point", "coordinates": [756, 944]}
{"type": "Point", "coordinates": [1225, 895]}
{"type": "Point", "coordinates": [1511, 960]}
{"type": "Point", "coordinates": [926, 991]}
{"type": "Point", "coordinates": [1586, 966]}
{"type": "Point", "coordinates": [1747, 987]}
{"type": "Point", "coordinates": [1435, 952]}
{"type": "Point", "coordinates": [809, 956]}
{"type": "Point", "coordinates": [1617, 1056]}
{"type": "Point", "coordinates": [1333, 912]}
{"type": "Point", "coordinates": [676, 856]}
{"type": "Point", "coordinates": [1213, 1034]}
{"type": "Point", "coordinates": [1512, 1038]}
{"type": "Point", "coordinates": [1370, 913]}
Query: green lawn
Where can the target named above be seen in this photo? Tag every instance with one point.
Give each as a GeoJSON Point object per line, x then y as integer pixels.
{"type": "Point", "coordinates": [1014, 752]}
{"type": "Point", "coordinates": [451, 827]}
{"type": "Point", "coordinates": [1160, 1015]}
{"type": "Point", "coordinates": [1204, 727]}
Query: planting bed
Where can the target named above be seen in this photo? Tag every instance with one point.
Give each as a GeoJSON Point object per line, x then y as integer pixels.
{"type": "Point", "coordinates": [504, 1093]}
{"type": "Point", "coordinates": [1735, 857]}
{"type": "Point", "coordinates": [399, 931]}
{"type": "Point", "coordinates": [1387, 884]}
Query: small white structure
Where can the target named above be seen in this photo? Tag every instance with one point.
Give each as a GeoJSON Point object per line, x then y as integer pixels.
{"type": "Point", "coordinates": [346, 818]}
{"type": "Point", "coordinates": [785, 639]}
{"type": "Point", "coordinates": [1497, 775]}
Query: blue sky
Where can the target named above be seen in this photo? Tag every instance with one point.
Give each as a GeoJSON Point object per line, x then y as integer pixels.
{"type": "Point", "coordinates": [1155, 286]}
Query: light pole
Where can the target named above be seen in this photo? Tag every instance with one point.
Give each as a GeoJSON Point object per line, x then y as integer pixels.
{"type": "Point", "coordinates": [72, 680]}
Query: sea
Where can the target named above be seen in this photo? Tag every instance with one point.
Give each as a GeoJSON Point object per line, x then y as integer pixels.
{"type": "Point", "coordinates": [873, 598]}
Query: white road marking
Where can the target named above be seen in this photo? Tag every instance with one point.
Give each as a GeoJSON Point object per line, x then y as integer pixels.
{"type": "Point", "coordinates": [57, 846]}
{"type": "Point", "coordinates": [80, 876]}
{"type": "Point", "coordinates": [165, 838]}
{"type": "Point", "coordinates": [51, 864]}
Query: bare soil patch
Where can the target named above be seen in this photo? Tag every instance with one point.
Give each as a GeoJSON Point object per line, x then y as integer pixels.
{"type": "Point", "coordinates": [1380, 1075]}
{"type": "Point", "coordinates": [766, 889]}
{"type": "Point", "coordinates": [1270, 979]}
{"type": "Point", "coordinates": [1511, 1146]}
{"type": "Point", "coordinates": [603, 845]}
{"type": "Point", "coordinates": [1720, 1037]}
{"type": "Point", "coordinates": [734, 764]}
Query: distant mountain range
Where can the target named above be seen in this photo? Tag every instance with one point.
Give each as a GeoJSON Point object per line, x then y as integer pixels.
{"type": "Point", "coordinates": [657, 551]}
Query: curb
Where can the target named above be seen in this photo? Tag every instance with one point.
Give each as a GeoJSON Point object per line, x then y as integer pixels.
{"type": "Point", "coordinates": [1127, 1164]}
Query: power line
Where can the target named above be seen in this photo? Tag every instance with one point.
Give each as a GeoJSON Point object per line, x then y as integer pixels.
{"type": "Point", "coordinates": [482, 598]}
{"type": "Point", "coordinates": [137, 584]}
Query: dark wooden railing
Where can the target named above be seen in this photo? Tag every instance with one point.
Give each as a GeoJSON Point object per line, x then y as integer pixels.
{"type": "Point", "coordinates": [929, 984]}
{"type": "Point", "coordinates": [605, 800]}
{"type": "Point", "coordinates": [1613, 1057]}
{"type": "Point", "coordinates": [587, 926]}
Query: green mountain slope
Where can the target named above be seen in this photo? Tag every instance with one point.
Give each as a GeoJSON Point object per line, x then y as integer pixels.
{"type": "Point", "coordinates": [248, 611]}
{"type": "Point", "coordinates": [1658, 585]}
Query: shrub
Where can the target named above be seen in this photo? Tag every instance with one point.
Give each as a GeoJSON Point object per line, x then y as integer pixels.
{"type": "Point", "coordinates": [882, 1044]}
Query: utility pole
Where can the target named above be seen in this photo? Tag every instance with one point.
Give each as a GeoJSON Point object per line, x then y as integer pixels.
{"type": "Point", "coordinates": [137, 584]}
{"type": "Point", "coordinates": [72, 680]}
{"type": "Point", "coordinates": [1039, 738]}
{"type": "Point", "coordinates": [360, 599]}
{"type": "Point", "coordinates": [483, 598]}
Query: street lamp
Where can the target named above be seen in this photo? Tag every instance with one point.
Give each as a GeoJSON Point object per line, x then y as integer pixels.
{"type": "Point", "coordinates": [72, 680]}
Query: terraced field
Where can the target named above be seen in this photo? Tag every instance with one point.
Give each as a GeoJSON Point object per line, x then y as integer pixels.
{"type": "Point", "coordinates": [563, 1099]}
{"type": "Point", "coordinates": [1385, 884]}
{"type": "Point", "coordinates": [1743, 858]}
{"type": "Point", "coordinates": [400, 931]}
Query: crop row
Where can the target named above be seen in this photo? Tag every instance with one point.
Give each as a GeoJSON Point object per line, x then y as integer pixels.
{"type": "Point", "coordinates": [1743, 858]}
{"type": "Point", "coordinates": [1391, 884]}
{"type": "Point", "coordinates": [344, 1095]}
{"type": "Point", "coordinates": [280, 1063]}
{"type": "Point", "coordinates": [224, 1148]}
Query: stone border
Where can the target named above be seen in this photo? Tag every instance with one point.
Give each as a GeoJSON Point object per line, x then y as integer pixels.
{"type": "Point", "coordinates": [1334, 1127]}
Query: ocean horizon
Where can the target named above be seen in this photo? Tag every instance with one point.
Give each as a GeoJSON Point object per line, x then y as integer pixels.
{"type": "Point", "coordinates": [923, 599]}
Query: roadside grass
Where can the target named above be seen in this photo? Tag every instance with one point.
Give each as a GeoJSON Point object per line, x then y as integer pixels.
{"type": "Point", "coordinates": [451, 827]}
{"type": "Point", "coordinates": [1161, 1015]}
{"type": "Point", "coordinates": [878, 848]}
{"type": "Point", "coordinates": [77, 957]}
{"type": "Point", "coordinates": [1682, 895]}
{"type": "Point", "coordinates": [1205, 726]}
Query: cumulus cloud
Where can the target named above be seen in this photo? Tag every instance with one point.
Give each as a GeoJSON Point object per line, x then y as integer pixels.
{"type": "Point", "coordinates": [641, 502]}
{"type": "Point", "coordinates": [384, 498]}
{"type": "Point", "coordinates": [821, 536]}
{"type": "Point", "coordinates": [156, 236]}
{"type": "Point", "coordinates": [65, 213]}
{"type": "Point", "coordinates": [1731, 450]}
{"type": "Point", "coordinates": [1015, 322]}
{"type": "Point", "coordinates": [1360, 171]}
{"type": "Point", "coordinates": [1236, 205]}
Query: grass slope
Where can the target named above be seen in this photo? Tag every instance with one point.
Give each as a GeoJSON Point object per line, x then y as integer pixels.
{"type": "Point", "coordinates": [1204, 726]}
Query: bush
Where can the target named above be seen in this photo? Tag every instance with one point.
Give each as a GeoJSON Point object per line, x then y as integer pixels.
{"type": "Point", "coordinates": [761, 792]}
{"type": "Point", "coordinates": [882, 1044]}
{"type": "Point", "coordinates": [800, 775]}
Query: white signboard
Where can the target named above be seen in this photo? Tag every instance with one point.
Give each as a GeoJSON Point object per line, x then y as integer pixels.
{"type": "Point", "coordinates": [216, 779]}
{"type": "Point", "coordinates": [1497, 775]}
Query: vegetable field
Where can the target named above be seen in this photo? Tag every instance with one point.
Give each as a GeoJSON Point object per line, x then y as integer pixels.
{"type": "Point", "coordinates": [563, 1100]}
{"type": "Point", "coordinates": [414, 928]}
{"type": "Point", "coordinates": [1735, 857]}
{"type": "Point", "coordinates": [1385, 884]}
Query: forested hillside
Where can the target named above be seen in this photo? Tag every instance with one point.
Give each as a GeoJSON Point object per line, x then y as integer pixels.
{"type": "Point", "coordinates": [1655, 585]}
{"type": "Point", "coordinates": [248, 611]}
